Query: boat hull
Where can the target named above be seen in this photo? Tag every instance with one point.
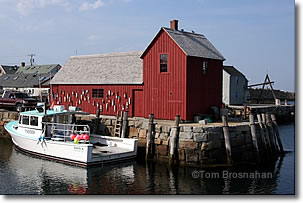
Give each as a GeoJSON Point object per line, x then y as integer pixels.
{"type": "Point", "coordinates": [68, 152]}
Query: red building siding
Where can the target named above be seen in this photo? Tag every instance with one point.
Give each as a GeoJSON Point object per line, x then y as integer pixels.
{"type": "Point", "coordinates": [203, 90]}
{"type": "Point", "coordinates": [164, 93]}
{"type": "Point", "coordinates": [89, 104]}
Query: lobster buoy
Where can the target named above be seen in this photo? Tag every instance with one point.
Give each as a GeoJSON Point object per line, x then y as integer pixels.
{"type": "Point", "coordinates": [72, 136]}
{"type": "Point", "coordinates": [78, 137]}
{"type": "Point", "coordinates": [86, 137]}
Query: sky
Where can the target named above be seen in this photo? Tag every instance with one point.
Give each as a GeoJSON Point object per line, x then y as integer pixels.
{"type": "Point", "coordinates": [255, 36]}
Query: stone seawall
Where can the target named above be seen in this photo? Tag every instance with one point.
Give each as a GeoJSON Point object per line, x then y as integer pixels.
{"type": "Point", "coordinates": [198, 145]}
{"type": "Point", "coordinates": [5, 117]}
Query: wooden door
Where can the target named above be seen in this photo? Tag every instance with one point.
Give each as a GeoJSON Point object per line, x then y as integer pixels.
{"type": "Point", "coordinates": [138, 105]}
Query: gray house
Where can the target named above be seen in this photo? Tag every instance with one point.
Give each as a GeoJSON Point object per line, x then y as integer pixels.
{"type": "Point", "coordinates": [234, 86]}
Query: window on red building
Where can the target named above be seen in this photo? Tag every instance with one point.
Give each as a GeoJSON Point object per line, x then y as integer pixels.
{"type": "Point", "coordinates": [98, 93]}
{"type": "Point", "coordinates": [163, 63]}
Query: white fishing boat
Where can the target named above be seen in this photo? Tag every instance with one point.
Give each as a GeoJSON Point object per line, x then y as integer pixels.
{"type": "Point", "coordinates": [55, 134]}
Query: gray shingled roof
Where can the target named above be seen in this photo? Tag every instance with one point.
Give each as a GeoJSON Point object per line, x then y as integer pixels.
{"type": "Point", "coordinates": [23, 80]}
{"type": "Point", "coordinates": [41, 69]}
{"type": "Point", "coordinates": [115, 68]}
{"type": "Point", "coordinates": [9, 69]}
{"type": "Point", "coordinates": [194, 44]}
{"type": "Point", "coordinates": [231, 70]}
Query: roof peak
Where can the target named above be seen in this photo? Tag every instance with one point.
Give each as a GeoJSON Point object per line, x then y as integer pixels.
{"type": "Point", "coordinates": [183, 32]}
{"type": "Point", "coordinates": [109, 54]}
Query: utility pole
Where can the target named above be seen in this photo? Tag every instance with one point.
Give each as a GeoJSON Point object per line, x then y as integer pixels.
{"type": "Point", "coordinates": [31, 60]}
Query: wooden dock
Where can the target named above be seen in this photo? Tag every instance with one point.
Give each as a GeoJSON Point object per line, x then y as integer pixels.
{"type": "Point", "coordinates": [284, 113]}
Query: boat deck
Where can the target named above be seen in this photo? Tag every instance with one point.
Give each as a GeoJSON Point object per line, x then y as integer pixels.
{"type": "Point", "coordinates": [109, 150]}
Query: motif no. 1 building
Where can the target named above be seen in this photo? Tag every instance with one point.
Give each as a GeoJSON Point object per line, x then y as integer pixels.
{"type": "Point", "coordinates": [179, 73]}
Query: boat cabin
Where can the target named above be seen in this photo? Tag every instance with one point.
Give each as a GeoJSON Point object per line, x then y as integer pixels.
{"type": "Point", "coordinates": [57, 124]}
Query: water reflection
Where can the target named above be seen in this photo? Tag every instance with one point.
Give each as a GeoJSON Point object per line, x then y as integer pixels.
{"type": "Point", "coordinates": [23, 174]}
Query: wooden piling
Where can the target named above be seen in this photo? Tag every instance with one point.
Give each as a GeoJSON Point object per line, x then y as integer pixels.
{"type": "Point", "coordinates": [266, 131]}
{"type": "Point", "coordinates": [97, 121]}
{"type": "Point", "coordinates": [277, 133]}
{"type": "Point", "coordinates": [227, 140]}
{"type": "Point", "coordinates": [271, 133]}
{"type": "Point", "coordinates": [254, 136]}
{"type": "Point", "coordinates": [150, 137]}
{"type": "Point", "coordinates": [265, 143]}
{"type": "Point", "coordinates": [174, 139]}
{"type": "Point", "coordinates": [124, 133]}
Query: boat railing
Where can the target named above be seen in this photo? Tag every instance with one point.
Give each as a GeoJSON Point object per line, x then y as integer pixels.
{"type": "Point", "coordinates": [63, 132]}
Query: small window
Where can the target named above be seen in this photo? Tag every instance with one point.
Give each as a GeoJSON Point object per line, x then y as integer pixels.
{"type": "Point", "coordinates": [34, 121]}
{"type": "Point", "coordinates": [98, 93]}
{"type": "Point", "coordinates": [204, 67]}
{"type": "Point", "coordinates": [15, 78]}
{"type": "Point", "coordinates": [6, 78]}
{"type": "Point", "coordinates": [25, 120]}
{"type": "Point", "coordinates": [163, 63]}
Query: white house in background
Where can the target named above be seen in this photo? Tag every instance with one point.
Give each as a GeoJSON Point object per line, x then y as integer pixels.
{"type": "Point", "coordinates": [234, 86]}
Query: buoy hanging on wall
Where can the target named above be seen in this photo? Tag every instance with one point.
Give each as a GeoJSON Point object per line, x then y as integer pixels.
{"type": "Point", "coordinates": [129, 100]}
{"type": "Point", "coordinates": [101, 108]}
{"type": "Point", "coordinates": [76, 95]}
{"type": "Point", "coordinates": [106, 106]}
{"type": "Point", "coordinates": [113, 102]}
{"type": "Point", "coordinates": [108, 93]}
{"type": "Point", "coordinates": [126, 105]}
{"type": "Point", "coordinates": [114, 108]}
{"type": "Point", "coordinates": [125, 95]}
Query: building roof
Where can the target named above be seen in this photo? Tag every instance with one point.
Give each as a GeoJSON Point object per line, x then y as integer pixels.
{"type": "Point", "coordinates": [192, 44]}
{"type": "Point", "coordinates": [233, 71]}
{"type": "Point", "coordinates": [41, 69]}
{"type": "Point", "coordinates": [9, 69]}
{"type": "Point", "coordinates": [23, 80]}
{"type": "Point", "coordinates": [115, 68]}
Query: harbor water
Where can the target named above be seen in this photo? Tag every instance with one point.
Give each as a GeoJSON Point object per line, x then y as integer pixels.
{"type": "Point", "coordinates": [23, 174]}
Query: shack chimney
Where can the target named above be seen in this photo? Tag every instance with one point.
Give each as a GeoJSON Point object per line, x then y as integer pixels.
{"type": "Point", "coordinates": [22, 64]}
{"type": "Point", "coordinates": [174, 24]}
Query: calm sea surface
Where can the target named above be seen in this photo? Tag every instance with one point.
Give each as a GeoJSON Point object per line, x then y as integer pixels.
{"type": "Point", "coordinates": [23, 174]}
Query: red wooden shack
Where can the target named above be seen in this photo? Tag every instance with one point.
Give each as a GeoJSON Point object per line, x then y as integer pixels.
{"type": "Point", "coordinates": [182, 74]}
{"type": "Point", "coordinates": [179, 73]}
{"type": "Point", "coordinates": [110, 82]}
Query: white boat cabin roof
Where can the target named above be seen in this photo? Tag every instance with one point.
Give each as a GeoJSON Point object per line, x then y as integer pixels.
{"type": "Point", "coordinates": [51, 113]}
